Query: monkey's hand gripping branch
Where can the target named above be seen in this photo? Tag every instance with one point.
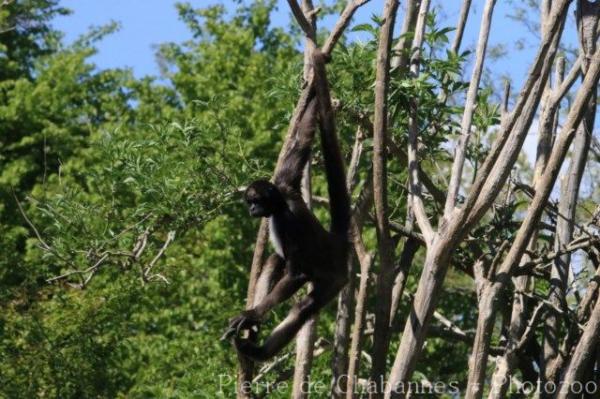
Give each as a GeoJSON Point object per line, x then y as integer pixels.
{"type": "Point", "coordinates": [243, 329]}
{"type": "Point", "coordinates": [247, 320]}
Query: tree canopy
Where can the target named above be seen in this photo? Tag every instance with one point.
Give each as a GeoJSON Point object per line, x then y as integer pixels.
{"type": "Point", "coordinates": [126, 248]}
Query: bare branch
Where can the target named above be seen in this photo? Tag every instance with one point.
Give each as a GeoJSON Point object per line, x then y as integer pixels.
{"type": "Point", "coordinates": [575, 245]}
{"type": "Point", "coordinates": [341, 25]}
{"type": "Point", "coordinates": [578, 362]}
{"type": "Point", "coordinates": [380, 194]}
{"type": "Point", "coordinates": [146, 273]}
{"type": "Point", "coordinates": [437, 194]}
{"type": "Point", "coordinates": [92, 269]}
{"type": "Point", "coordinates": [533, 322]}
{"type": "Point", "coordinates": [400, 58]}
{"type": "Point", "coordinates": [415, 197]}
{"type": "Point", "coordinates": [43, 243]}
{"type": "Point", "coordinates": [365, 260]}
{"type": "Point", "coordinates": [306, 26]}
{"type": "Point", "coordinates": [505, 100]}
{"type": "Point", "coordinates": [461, 149]}
{"type": "Point", "coordinates": [537, 75]}
{"type": "Point", "coordinates": [560, 92]}
{"type": "Point", "coordinates": [460, 26]}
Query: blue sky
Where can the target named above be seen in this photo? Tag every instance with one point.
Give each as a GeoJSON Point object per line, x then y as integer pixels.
{"type": "Point", "coordinates": [145, 23]}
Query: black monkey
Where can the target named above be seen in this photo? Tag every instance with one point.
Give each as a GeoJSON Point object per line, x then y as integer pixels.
{"type": "Point", "coordinates": [307, 251]}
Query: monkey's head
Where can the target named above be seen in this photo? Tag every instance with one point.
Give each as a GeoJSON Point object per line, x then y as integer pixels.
{"type": "Point", "coordinates": [263, 198]}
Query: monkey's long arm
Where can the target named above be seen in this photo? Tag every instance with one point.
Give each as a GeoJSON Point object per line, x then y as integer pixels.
{"type": "Point", "coordinates": [298, 153]}
{"type": "Point", "coordinates": [282, 291]}
{"type": "Point", "coordinates": [339, 199]}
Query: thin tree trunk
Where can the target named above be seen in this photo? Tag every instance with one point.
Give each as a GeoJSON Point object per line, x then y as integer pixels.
{"type": "Point", "coordinates": [460, 26]}
{"type": "Point", "coordinates": [426, 297]}
{"type": "Point", "coordinates": [588, 17]}
{"type": "Point", "coordinates": [485, 324]}
{"type": "Point", "coordinates": [506, 149]}
{"type": "Point", "coordinates": [458, 37]}
{"type": "Point", "coordinates": [384, 242]}
{"type": "Point", "coordinates": [548, 120]}
{"type": "Point", "coordinates": [246, 366]}
{"type": "Point", "coordinates": [401, 55]}
{"type": "Point", "coordinates": [410, 247]}
{"type": "Point", "coordinates": [341, 342]}
{"type": "Point", "coordinates": [582, 313]}
{"type": "Point", "coordinates": [465, 129]}
{"type": "Point", "coordinates": [365, 261]}
{"type": "Point", "coordinates": [582, 356]}
{"type": "Point", "coordinates": [305, 339]}
{"type": "Point", "coordinates": [409, 250]}
{"type": "Point", "coordinates": [506, 363]}
{"type": "Point", "coordinates": [497, 165]}
{"type": "Point", "coordinates": [564, 229]}
{"type": "Point", "coordinates": [415, 199]}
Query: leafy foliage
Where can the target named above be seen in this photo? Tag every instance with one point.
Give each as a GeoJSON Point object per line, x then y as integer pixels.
{"type": "Point", "coordinates": [125, 249]}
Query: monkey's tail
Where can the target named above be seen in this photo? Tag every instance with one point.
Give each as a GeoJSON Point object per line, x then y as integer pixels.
{"type": "Point", "coordinates": [339, 199]}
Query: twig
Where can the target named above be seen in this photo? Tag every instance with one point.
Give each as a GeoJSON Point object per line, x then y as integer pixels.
{"type": "Point", "coordinates": [30, 223]}
{"type": "Point", "coordinates": [533, 322]}
{"type": "Point", "coordinates": [91, 270]}
{"type": "Point", "coordinates": [576, 244]}
{"type": "Point", "coordinates": [169, 240]}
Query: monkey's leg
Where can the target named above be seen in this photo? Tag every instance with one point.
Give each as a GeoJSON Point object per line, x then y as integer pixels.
{"type": "Point", "coordinates": [287, 329]}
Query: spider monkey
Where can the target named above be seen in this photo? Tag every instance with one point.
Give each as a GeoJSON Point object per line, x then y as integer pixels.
{"type": "Point", "coordinates": [305, 250]}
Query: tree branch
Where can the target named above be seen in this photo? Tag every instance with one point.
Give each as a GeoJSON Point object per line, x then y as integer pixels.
{"type": "Point", "coordinates": [461, 148]}
{"type": "Point", "coordinates": [415, 197]}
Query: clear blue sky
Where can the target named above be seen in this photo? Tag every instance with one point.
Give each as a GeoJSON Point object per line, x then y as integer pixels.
{"type": "Point", "coordinates": [145, 23]}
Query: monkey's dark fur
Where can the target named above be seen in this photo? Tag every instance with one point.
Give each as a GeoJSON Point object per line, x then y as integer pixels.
{"type": "Point", "coordinates": [304, 249]}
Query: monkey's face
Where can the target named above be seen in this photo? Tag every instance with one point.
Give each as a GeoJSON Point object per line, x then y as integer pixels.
{"type": "Point", "coordinates": [257, 208]}
{"type": "Point", "coordinates": [261, 198]}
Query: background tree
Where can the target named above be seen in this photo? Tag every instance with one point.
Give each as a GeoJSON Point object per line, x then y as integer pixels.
{"type": "Point", "coordinates": [125, 248]}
